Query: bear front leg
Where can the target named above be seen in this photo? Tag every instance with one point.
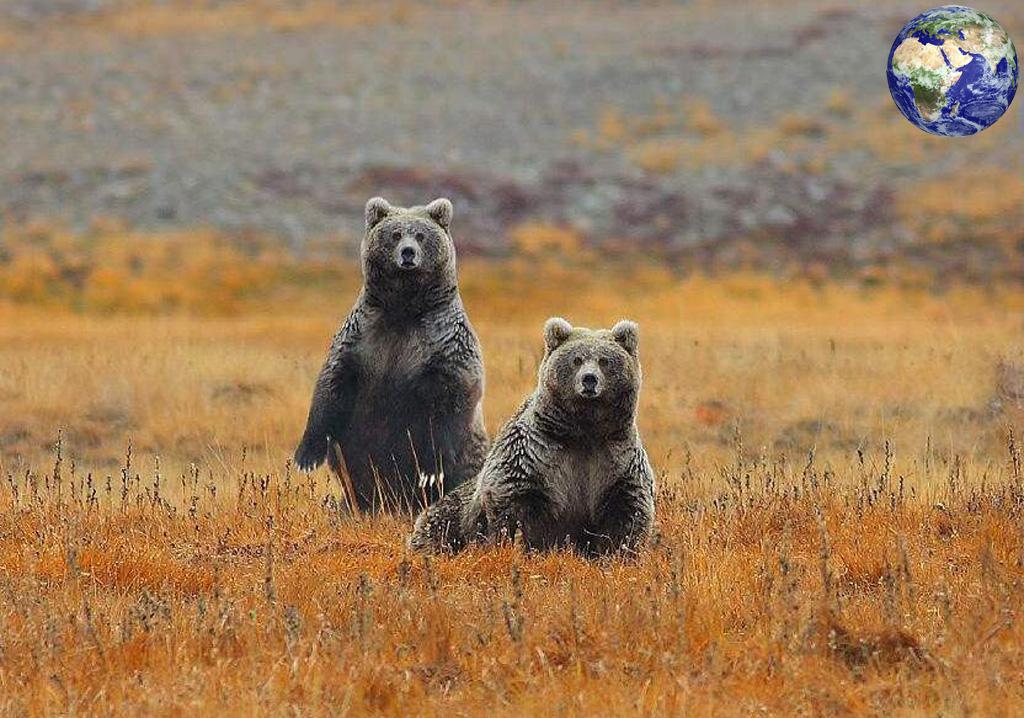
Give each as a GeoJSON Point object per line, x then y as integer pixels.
{"type": "Point", "coordinates": [624, 522]}
{"type": "Point", "coordinates": [333, 396]}
{"type": "Point", "coordinates": [524, 510]}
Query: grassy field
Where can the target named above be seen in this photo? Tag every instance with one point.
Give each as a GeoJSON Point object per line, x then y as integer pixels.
{"type": "Point", "coordinates": [832, 336]}
{"type": "Point", "coordinates": [840, 499]}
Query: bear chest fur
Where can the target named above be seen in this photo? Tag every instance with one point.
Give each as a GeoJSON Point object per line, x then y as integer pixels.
{"type": "Point", "coordinates": [579, 482]}
{"type": "Point", "coordinates": [405, 383]}
{"type": "Point", "coordinates": [394, 359]}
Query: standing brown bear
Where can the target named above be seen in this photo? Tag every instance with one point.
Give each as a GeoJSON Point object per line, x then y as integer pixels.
{"type": "Point", "coordinates": [397, 408]}
{"type": "Point", "coordinates": [569, 469]}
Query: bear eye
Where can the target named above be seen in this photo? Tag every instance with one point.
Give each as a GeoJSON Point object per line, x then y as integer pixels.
{"type": "Point", "coordinates": [602, 362]}
{"type": "Point", "coordinates": [577, 361]}
{"type": "Point", "coordinates": [419, 236]}
{"type": "Point", "coordinates": [396, 234]}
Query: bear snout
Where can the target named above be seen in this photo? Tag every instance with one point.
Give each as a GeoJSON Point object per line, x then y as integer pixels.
{"type": "Point", "coordinates": [589, 381]}
{"type": "Point", "coordinates": [407, 254]}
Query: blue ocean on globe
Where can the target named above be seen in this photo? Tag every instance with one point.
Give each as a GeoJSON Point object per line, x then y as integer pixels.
{"type": "Point", "coordinates": [953, 71]}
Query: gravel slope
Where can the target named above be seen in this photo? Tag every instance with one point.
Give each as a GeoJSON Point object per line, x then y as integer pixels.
{"type": "Point", "coordinates": [287, 132]}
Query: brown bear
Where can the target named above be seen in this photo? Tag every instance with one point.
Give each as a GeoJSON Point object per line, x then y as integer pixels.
{"type": "Point", "coordinates": [569, 469]}
{"type": "Point", "coordinates": [397, 408]}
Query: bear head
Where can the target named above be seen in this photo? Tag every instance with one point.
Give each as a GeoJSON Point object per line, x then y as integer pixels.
{"type": "Point", "coordinates": [591, 377]}
{"type": "Point", "coordinates": [408, 255]}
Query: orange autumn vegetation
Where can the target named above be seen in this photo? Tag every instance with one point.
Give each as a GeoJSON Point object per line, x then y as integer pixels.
{"type": "Point", "coordinates": [840, 500]}
{"type": "Point", "coordinates": [772, 587]}
{"type": "Point", "coordinates": [111, 270]}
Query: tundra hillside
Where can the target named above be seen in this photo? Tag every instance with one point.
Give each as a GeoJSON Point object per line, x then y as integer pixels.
{"type": "Point", "coordinates": [717, 134]}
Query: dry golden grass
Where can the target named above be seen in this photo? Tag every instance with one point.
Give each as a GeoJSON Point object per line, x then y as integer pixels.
{"type": "Point", "coordinates": [840, 526]}
{"type": "Point", "coordinates": [114, 270]}
{"type": "Point", "coordinates": [978, 203]}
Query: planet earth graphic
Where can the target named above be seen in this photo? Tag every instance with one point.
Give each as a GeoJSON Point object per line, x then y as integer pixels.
{"type": "Point", "coordinates": [953, 71]}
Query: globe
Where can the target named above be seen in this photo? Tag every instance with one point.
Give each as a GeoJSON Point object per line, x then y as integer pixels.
{"type": "Point", "coordinates": [953, 71]}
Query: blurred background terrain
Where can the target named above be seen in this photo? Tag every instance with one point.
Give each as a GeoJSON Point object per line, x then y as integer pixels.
{"type": "Point", "coordinates": [709, 135]}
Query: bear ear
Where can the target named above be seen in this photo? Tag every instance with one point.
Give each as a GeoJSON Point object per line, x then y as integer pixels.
{"type": "Point", "coordinates": [440, 210]}
{"type": "Point", "coordinates": [556, 331]}
{"type": "Point", "coordinates": [376, 209]}
{"type": "Point", "coordinates": [627, 334]}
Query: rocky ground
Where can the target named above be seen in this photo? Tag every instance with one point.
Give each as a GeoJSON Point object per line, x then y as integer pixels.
{"type": "Point", "coordinates": [231, 115]}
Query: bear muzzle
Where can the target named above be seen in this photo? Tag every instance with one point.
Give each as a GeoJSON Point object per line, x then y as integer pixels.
{"type": "Point", "coordinates": [589, 380]}
{"type": "Point", "coordinates": [408, 254]}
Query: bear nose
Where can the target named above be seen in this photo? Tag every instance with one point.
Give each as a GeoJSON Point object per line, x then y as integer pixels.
{"type": "Point", "coordinates": [407, 257]}
{"type": "Point", "coordinates": [589, 381]}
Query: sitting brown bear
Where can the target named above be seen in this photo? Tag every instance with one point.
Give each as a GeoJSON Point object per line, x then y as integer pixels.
{"type": "Point", "coordinates": [569, 469]}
